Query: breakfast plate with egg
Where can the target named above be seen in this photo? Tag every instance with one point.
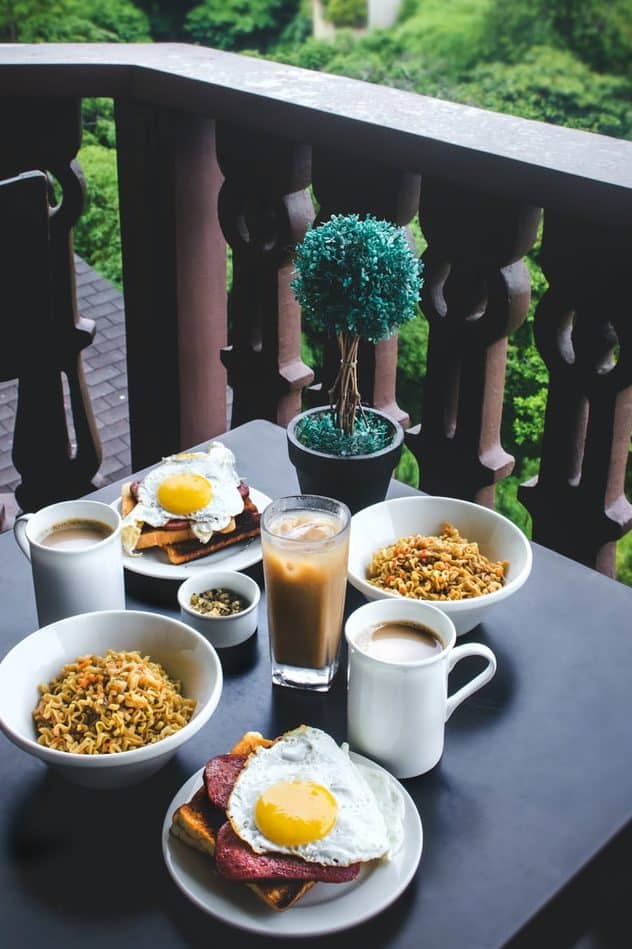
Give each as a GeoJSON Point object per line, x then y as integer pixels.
{"type": "Point", "coordinates": [350, 812]}
{"type": "Point", "coordinates": [190, 511]}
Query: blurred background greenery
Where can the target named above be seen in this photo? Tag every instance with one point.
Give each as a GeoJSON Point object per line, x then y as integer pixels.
{"type": "Point", "coordinates": [560, 61]}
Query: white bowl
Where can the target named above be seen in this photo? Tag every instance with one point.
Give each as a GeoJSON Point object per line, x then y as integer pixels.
{"type": "Point", "coordinates": [222, 631]}
{"type": "Point", "coordinates": [499, 539]}
{"type": "Point", "coordinates": [38, 658]}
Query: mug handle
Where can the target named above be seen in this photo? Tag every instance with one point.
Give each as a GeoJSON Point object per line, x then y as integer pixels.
{"type": "Point", "coordinates": [19, 532]}
{"type": "Point", "coordinates": [460, 652]}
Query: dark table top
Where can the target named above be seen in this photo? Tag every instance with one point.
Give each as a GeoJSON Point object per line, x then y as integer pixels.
{"type": "Point", "coordinates": [534, 786]}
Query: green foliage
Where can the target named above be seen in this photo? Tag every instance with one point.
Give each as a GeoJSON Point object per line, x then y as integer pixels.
{"type": "Point", "coordinates": [298, 30]}
{"type": "Point", "coordinates": [407, 470]}
{"type": "Point", "coordinates": [599, 32]}
{"type": "Point", "coordinates": [526, 384]}
{"type": "Point", "coordinates": [72, 21]}
{"type": "Point", "coordinates": [356, 276]}
{"type": "Point", "coordinates": [96, 234]}
{"type": "Point", "coordinates": [624, 560]}
{"type": "Point", "coordinates": [239, 24]}
{"type": "Point", "coordinates": [446, 36]}
{"type": "Point", "coordinates": [166, 17]}
{"type": "Point", "coordinates": [457, 57]}
{"type": "Point", "coordinates": [507, 496]}
{"type": "Point", "coordinates": [552, 86]}
{"type": "Point", "coordinates": [97, 117]}
{"type": "Point", "coordinates": [346, 12]}
{"type": "Point", "coordinates": [121, 18]}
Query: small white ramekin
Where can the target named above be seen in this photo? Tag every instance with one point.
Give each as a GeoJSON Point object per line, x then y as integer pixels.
{"type": "Point", "coordinates": [221, 631]}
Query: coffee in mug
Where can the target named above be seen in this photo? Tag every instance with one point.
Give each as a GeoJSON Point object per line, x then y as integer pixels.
{"type": "Point", "coordinates": [76, 558]}
{"type": "Point", "coordinates": [75, 534]}
{"type": "Point", "coordinates": [401, 652]}
{"type": "Point", "coordinates": [399, 641]}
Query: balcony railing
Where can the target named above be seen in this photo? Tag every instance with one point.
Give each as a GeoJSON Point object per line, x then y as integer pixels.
{"type": "Point", "coordinates": [215, 148]}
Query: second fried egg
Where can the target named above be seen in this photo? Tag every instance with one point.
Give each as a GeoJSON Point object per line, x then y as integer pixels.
{"type": "Point", "coordinates": [199, 487]}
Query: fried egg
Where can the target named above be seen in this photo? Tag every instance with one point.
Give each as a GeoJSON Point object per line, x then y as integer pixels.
{"type": "Point", "coordinates": [304, 796]}
{"type": "Point", "coordinates": [199, 487]}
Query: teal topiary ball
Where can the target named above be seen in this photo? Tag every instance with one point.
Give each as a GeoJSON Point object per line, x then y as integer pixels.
{"type": "Point", "coordinates": [358, 276]}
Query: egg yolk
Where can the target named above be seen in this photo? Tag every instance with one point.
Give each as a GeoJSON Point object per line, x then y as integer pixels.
{"type": "Point", "coordinates": [295, 812]}
{"type": "Point", "coordinates": [185, 493]}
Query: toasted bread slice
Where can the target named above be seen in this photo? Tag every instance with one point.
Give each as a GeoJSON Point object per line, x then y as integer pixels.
{"type": "Point", "coordinates": [248, 742]}
{"type": "Point", "coordinates": [193, 549]}
{"type": "Point", "coordinates": [280, 895]}
{"type": "Point", "coordinates": [193, 823]}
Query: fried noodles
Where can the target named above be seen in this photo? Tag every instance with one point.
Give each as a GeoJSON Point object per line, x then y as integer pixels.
{"type": "Point", "coordinates": [106, 704]}
{"type": "Point", "coordinates": [447, 567]}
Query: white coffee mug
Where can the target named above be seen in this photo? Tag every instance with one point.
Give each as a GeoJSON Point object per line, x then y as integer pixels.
{"type": "Point", "coordinates": [397, 710]}
{"type": "Point", "coordinates": [73, 581]}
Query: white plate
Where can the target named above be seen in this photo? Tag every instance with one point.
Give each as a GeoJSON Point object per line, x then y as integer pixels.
{"type": "Point", "coordinates": [153, 563]}
{"type": "Point", "coordinates": [326, 908]}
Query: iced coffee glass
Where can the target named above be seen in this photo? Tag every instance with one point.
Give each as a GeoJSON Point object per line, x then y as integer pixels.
{"type": "Point", "coordinates": [305, 541]}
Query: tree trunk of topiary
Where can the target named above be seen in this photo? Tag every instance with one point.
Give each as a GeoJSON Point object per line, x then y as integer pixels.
{"type": "Point", "coordinates": [344, 396]}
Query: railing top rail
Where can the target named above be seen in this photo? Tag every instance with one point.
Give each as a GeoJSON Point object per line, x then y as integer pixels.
{"type": "Point", "coordinates": [583, 174]}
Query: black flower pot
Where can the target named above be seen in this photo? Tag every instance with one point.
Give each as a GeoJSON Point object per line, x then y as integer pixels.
{"type": "Point", "coordinates": [358, 480]}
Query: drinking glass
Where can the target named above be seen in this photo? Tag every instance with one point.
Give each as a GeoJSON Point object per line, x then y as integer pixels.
{"type": "Point", "coordinates": [305, 541]}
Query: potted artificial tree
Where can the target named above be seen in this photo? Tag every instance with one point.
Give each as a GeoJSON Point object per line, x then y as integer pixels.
{"type": "Point", "coordinates": [356, 278]}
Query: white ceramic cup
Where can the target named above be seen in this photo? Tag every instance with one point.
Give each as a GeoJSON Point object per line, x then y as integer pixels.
{"type": "Point", "coordinates": [397, 711]}
{"type": "Point", "coordinates": [68, 582]}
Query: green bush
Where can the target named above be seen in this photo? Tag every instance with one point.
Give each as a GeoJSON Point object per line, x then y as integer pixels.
{"type": "Point", "coordinates": [97, 235]}
{"type": "Point", "coordinates": [599, 32]}
{"type": "Point", "coordinates": [444, 37]}
{"type": "Point", "coordinates": [553, 86]}
{"type": "Point", "coordinates": [239, 24]}
{"type": "Point", "coordinates": [72, 21]}
{"type": "Point", "coordinates": [407, 470]}
{"type": "Point", "coordinates": [97, 117]}
{"type": "Point", "coordinates": [166, 17]}
{"type": "Point", "coordinates": [121, 18]}
{"type": "Point", "coordinates": [346, 12]}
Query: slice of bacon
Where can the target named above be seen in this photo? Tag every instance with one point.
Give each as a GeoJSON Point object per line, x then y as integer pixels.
{"type": "Point", "coordinates": [235, 860]}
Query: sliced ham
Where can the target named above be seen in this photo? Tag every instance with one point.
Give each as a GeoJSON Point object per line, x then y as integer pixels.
{"type": "Point", "coordinates": [220, 775]}
{"type": "Point", "coordinates": [236, 861]}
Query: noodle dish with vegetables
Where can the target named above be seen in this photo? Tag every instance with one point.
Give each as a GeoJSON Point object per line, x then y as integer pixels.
{"type": "Point", "coordinates": [443, 567]}
{"type": "Point", "coordinates": [108, 704]}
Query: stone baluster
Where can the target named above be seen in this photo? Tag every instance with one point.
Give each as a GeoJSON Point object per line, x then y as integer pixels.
{"type": "Point", "coordinates": [364, 187]}
{"type": "Point", "coordinates": [584, 333]}
{"type": "Point", "coordinates": [476, 292]}
{"type": "Point", "coordinates": [264, 211]}
{"type": "Point", "coordinates": [174, 270]}
{"type": "Point", "coordinates": [45, 334]}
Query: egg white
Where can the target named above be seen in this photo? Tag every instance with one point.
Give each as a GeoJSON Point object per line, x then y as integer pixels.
{"type": "Point", "coordinates": [308, 754]}
{"type": "Point", "coordinates": [217, 466]}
